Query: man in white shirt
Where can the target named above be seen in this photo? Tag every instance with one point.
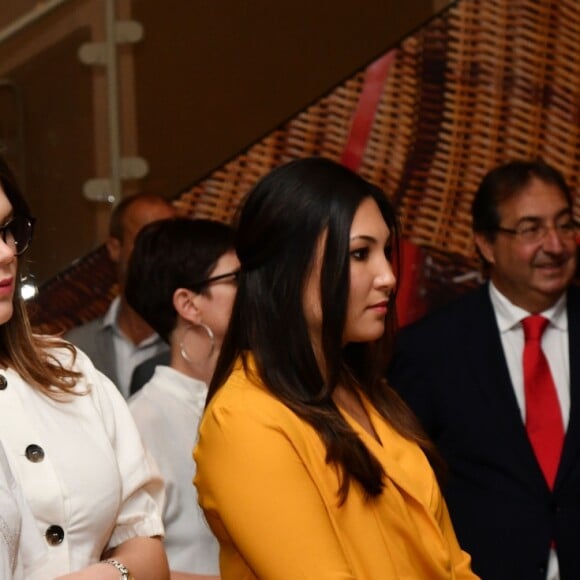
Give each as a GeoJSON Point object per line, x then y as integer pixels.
{"type": "Point", "coordinates": [501, 403]}
{"type": "Point", "coordinates": [121, 340]}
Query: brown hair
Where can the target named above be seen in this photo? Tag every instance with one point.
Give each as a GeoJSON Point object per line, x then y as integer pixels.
{"type": "Point", "coordinates": [29, 354]}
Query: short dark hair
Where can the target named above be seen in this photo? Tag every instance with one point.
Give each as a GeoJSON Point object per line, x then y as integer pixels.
{"type": "Point", "coordinates": [116, 221]}
{"type": "Point", "coordinates": [170, 254]}
{"type": "Point", "coordinates": [278, 231]}
{"type": "Point", "coordinates": [505, 181]}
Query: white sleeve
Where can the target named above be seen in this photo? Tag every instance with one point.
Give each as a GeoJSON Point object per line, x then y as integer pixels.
{"type": "Point", "coordinates": [143, 494]}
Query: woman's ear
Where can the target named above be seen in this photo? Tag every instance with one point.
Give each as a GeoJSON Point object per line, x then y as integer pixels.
{"type": "Point", "coordinates": [187, 304]}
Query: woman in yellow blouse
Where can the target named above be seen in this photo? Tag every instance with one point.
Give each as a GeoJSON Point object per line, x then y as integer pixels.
{"type": "Point", "coordinates": [308, 465]}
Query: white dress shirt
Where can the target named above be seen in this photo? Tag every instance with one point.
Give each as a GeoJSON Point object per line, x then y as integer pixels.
{"type": "Point", "coordinates": [167, 411]}
{"type": "Point", "coordinates": [129, 355]}
{"type": "Point", "coordinates": [555, 347]}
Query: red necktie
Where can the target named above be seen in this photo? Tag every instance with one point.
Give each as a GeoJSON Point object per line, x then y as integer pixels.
{"type": "Point", "coordinates": [544, 423]}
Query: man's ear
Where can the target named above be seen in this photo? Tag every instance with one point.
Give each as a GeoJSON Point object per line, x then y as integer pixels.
{"type": "Point", "coordinates": [114, 249]}
{"type": "Point", "coordinates": [485, 248]}
{"type": "Point", "coordinates": [187, 304]}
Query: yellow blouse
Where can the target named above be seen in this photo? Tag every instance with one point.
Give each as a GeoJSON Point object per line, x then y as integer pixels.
{"type": "Point", "coordinates": [271, 499]}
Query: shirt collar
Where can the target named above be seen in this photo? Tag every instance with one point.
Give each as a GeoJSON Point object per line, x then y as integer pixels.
{"type": "Point", "coordinates": [110, 321]}
{"type": "Point", "coordinates": [110, 318]}
{"type": "Point", "coordinates": [509, 316]}
{"type": "Point", "coordinates": [181, 385]}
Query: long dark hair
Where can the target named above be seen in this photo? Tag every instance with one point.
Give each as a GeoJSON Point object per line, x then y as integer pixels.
{"type": "Point", "coordinates": [279, 227]}
{"type": "Point", "coordinates": [28, 354]}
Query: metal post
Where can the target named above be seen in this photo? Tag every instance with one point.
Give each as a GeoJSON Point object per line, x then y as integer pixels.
{"type": "Point", "coordinates": [35, 14]}
{"type": "Point", "coordinates": [105, 54]}
{"type": "Point", "coordinates": [112, 99]}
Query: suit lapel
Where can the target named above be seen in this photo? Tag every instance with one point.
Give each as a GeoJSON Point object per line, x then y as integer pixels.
{"type": "Point", "coordinates": [108, 362]}
{"type": "Point", "coordinates": [572, 440]}
{"type": "Point", "coordinates": [487, 359]}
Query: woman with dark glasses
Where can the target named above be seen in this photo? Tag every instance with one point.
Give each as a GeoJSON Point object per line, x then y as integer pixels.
{"type": "Point", "coordinates": [182, 279]}
{"type": "Point", "coordinates": [70, 440]}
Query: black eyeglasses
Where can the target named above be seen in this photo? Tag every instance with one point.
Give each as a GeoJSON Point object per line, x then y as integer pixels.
{"type": "Point", "coordinates": [532, 231]}
{"type": "Point", "coordinates": [233, 275]}
{"type": "Point", "coordinates": [17, 233]}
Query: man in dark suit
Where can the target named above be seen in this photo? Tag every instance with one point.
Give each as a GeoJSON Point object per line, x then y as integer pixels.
{"type": "Point", "coordinates": [513, 486]}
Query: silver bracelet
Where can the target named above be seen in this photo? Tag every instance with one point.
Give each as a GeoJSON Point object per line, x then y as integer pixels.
{"type": "Point", "coordinates": [125, 574]}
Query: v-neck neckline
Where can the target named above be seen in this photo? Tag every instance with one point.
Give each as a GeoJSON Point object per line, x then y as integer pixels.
{"type": "Point", "coordinates": [357, 425]}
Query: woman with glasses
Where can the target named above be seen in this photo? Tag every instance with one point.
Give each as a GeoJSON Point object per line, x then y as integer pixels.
{"type": "Point", "coordinates": [182, 280]}
{"type": "Point", "coordinates": [70, 440]}
{"type": "Point", "coordinates": [309, 466]}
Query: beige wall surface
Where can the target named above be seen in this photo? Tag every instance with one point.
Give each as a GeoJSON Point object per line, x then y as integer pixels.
{"type": "Point", "coordinates": [213, 77]}
{"type": "Point", "coordinates": [50, 130]}
{"type": "Point", "coordinates": [10, 10]}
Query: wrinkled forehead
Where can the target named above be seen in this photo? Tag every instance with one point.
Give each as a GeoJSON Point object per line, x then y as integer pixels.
{"type": "Point", "coordinates": [537, 200]}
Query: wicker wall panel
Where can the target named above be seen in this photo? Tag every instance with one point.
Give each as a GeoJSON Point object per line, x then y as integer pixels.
{"type": "Point", "coordinates": [487, 81]}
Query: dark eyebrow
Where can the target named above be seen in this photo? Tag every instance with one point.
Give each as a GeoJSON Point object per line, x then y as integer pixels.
{"type": "Point", "coordinates": [363, 237]}
{"type": "Point", "coordinates": [7, 219]}
{"type": "Point", "coordinates": [567, 211]}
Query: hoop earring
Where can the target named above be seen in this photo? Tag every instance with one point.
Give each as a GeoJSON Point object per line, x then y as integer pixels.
{"type": "Point", "coordinates": [182, 350]}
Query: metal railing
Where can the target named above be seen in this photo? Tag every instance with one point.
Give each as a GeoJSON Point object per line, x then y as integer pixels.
{"type": "Point", "coordinates": [100, 54]}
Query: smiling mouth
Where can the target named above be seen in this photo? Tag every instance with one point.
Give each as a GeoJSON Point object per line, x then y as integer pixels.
{"type": "Point", "coordinates": [552, 265]}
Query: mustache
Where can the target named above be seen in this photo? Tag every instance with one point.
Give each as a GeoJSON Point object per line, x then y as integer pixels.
{"type": "Point", "coordinates": [553, 261]}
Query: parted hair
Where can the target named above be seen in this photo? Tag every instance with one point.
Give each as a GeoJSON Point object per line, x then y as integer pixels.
{"type": "Point", "coordinates": [30, 355]}
{"type": "Point", "coordinates": [170, 254]}
{"type": "Point", "coordinates": [505, 181]}
{"type": "Point", "coordinates": [278, 228]}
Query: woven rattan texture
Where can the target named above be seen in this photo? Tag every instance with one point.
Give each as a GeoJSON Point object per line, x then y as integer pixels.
{"type": "Point", "coordinates": [76, 295]}
{"type": "Point", "coordinates": [486, 82]}
{"type": "Point", "coordinates": [322, 129]}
